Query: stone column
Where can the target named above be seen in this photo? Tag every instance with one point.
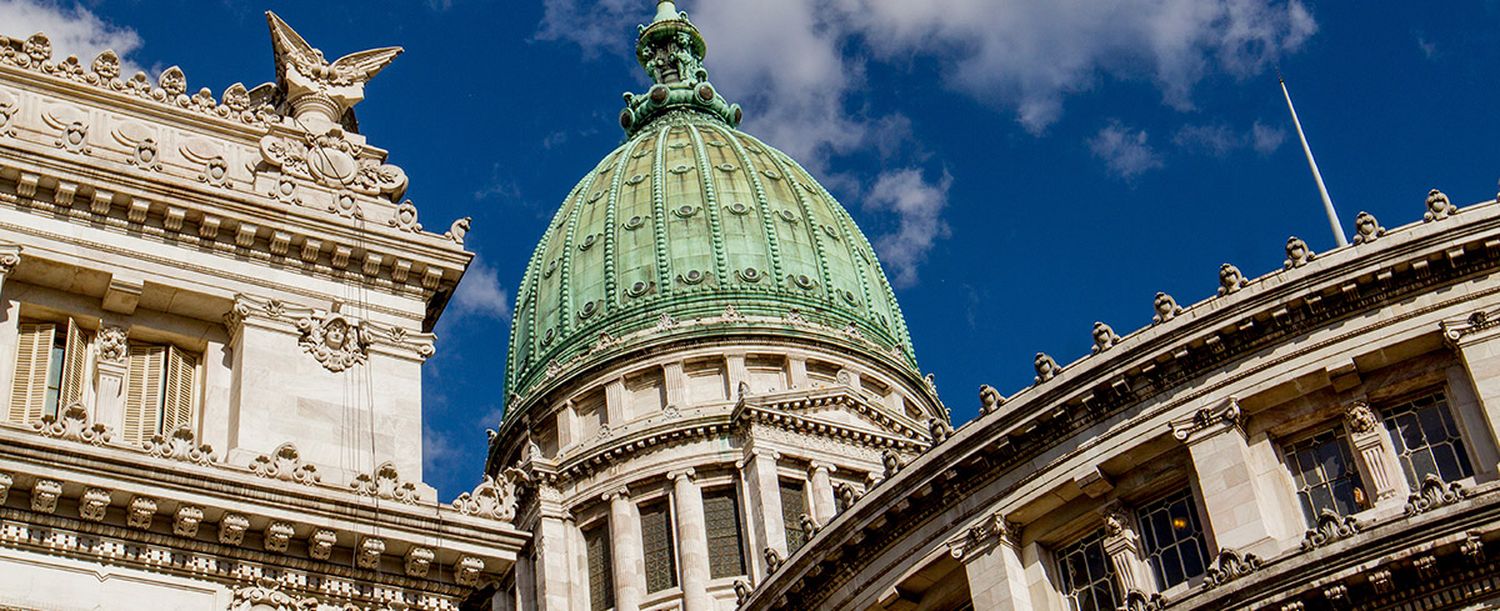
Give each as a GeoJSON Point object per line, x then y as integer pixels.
{"type": "Point", "coordinates": [997, 578]}
{"type": "Point", "coordinates": [764, 489]}
{"type": "Point", "coordinates": [525, 594]}
{"type": "Point", "coordinates": [551, 565]}
{"type": "Point", "coordinates": [1240, 500]}
{"type": "Point", "coordinates": [692, 541]}
{"type": "Point", "coordinates": [1476, 338]}
{"type": "Point", "coordinates": [1122, 546]}
{"type": "Point", "coordinates": [110, 368]}
{"type": "Point", "coordinates": [626, 551]}
{"type": "Point", "coordinates": [1376, 455]}
{"type": "Point", "coordinates": [824, 507]}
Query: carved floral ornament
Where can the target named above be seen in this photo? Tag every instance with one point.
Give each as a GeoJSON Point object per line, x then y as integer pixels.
{"type": "Point", "coordinates": [336, 340]}
{"type": "Point", "coordinates": [333, 161]}
{"type": "Point", "coordinates": [385, 483]}
{"type": "Point", "coordinates": [496, 499]}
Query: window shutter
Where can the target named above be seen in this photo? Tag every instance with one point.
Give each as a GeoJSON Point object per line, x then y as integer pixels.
{"type": "Point", "coordinates": [28, 391]}
{"type": "Point", "coordinates": [143, 386]}
{"type": "Point", "coordinates": [75, 361]}
{"type": "Point", "coordinates": [177, 405]}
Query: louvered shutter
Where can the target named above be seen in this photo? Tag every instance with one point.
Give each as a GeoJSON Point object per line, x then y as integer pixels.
{"type": "Point", "coordinates": [182, 370]}
{"type": "Point", "coordinates": [75, 361]}
{"type": "Point", "coordinates": [28, 391]}
{"type": "Point", "coordinates": [143, 386]}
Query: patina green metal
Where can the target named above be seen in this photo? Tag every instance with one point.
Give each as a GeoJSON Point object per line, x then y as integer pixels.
{"type": "Point", "coordinates": [694, 231]}
{"type": "Point", "coordinates": [671, 50]}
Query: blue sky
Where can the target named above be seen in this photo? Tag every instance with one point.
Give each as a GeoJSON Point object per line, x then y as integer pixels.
{"type": "Point", "coordinates": [1025, 168]}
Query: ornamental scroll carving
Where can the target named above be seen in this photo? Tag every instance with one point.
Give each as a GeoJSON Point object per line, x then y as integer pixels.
{"type": "Point", "coordinates": [385, 483]}
{"type": "Point", "coordinates": [1229, 415]}
{"type": "Point", "coordinates": [285, 464]}
{"type": "Point", "coordinates": [496, 499]}
{"type": "Point", "coordinates": [267, 594]}
{"type": "Point", "coordinates": [73, 425]}
{"type": "Point", "coordinates": [181, 445]}
{"type": "Point", "coordinates": [333, 161]}
{"type": "Point", "coordinates": [993, 530]}
{"type": "Point", "coordinates": [336, 341]}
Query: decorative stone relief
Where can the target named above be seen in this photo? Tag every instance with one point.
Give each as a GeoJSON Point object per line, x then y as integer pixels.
{"type": "Point", "coordinates": [1229, 415]}
{"type": "Point", "coordinates": [213, 167]}
{"type": "Point", "coordinates": [809, 525]}
{"type": "Point", "coordinates": [742, 592]}
{"type": "Point", "coordinates": [405, 218]}
{"type": "Point", "coordinates": [6, 481]}
{"type": "Point", "coordinates": [1360, 418]}
{"type": "Point", "coordinates": [278, 536]}
{"type": "Point", "coordinates": [320, 544]}
{"type": "Point", "coordinates": [993, 530]}
{"type": "Point", "coordinates": [990, 399]}
{"type": "Point", "coordinates": [1230, 279]}
{"type": "Point", "coordinates": [847, 493]}
{"type": "Point", "coordinates": [140, 512]}
{"type": "Point", "coordinates": [467, 570]}
{"type": "Point", "coordinates": [186, 521]}
{"type": "Point", "coordinates": [8, 107]}
{"type": "Point", "coordinates": [232, 529]}
{"type": "Point", "coordinates": [1366, 228]}
{"type": "Point", "coordinates": [458, 230]}
{"type": "Point", "coordinates": [418, 561]}
{"type": "Point", "coordinates": [773, 560]}
{"type": "Point", "coordinates": [285, 464]}
{"type": "Point", "coordinates": [316, 89]}
{"type": "Point", "coordinates": [332, 160]}
{"type": "Point", "coordinates": [368, 554]}
{"type": "Point", "coordinates": [180, 445]}
{"type": "Point", "coordinates": [113, 345]}
{"type": "Point", "coordinates": [1104, 337]}
{"type": "Point", "coordinates": [1381, 582]}
{"type": "Point", "coordinates": [1438, 207]}
{"type": "Point", "coordinates": [939, 430]}
{"type": "Point", "coordinates": [44, 495]}
{"type": "Point", "coordinates": [1426, 566]}
{"type": "Point", "coordinates": [1472, 547]}
{"type": "Point", "coordinates": [1137, 600]}
{"type": "Point", "coordinates": [892, 463]}
{"type": "Point", "coordinates": [266, 595]}
{"type": "Point", "coordinates": [385, 483]}
{"type": "Point", "coordinates": [1432, 494]}
{"type": "Point", "coordinates": [1453, 331]}
{"type": "Point", "coordinates": [336, 341]}
{"type": "Point", "coordinates": [1230, 565]}
{"type": "Point", "coordinates": [93, 504]}
{"type": "Point", "coordinates": [1046, 367]}
{"type": "Point", "coordinates": [73, 425]}
{"type": "Point", "coordinates": [1166, 308]}
{"type": "Point", "coordinates": [491, 498]}
{"type": "Point", "coordinates": [1331, 527]}
{"type": "Point", "coordinates": [1297, 253]}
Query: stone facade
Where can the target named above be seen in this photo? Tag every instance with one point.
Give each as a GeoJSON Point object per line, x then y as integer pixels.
{"type": "Point", "coordinates": [216, 310]}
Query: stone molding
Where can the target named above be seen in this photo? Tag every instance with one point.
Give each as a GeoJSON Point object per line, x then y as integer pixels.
{"type": "Point", "coordinates": [980, 538]}
{"type": "Point", "coordinates": [1209, 421]}
{"type": "Point", "coordinates": [1458, 331]}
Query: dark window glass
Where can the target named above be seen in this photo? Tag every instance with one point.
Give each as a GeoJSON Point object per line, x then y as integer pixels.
{"type": "Point", "coordinates": [601, 568]}
{"type": "Point", "coordinates": [1323, 471]}
{"type": "Point", "coordinates": [1172, 538]}
{"type": "Point", "coordinates": [656, 544]}
{"type": "Point", "coordinates": [793, 506]}
{"type": "Point", "coordinates": [1088, 577]}
{"type": "Point", "coordinates": [721, 517]}
{"type": "Point", "coordinates": [1427, 440]}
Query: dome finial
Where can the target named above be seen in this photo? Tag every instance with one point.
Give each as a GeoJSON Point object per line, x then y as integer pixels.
{"type": "Point", "coordinates": [671, 50]}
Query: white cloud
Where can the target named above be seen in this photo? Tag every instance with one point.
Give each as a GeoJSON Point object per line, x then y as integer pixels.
{"type": "Point", "coordinates": [1219, 140]}
{"type": "Point", "coordinates": [480, 294]}
{"type": "Point", "coordinates": [73, 30]}
{"type": "Point", "coordinates": [439, 450]}
{"type": "Point", "coordinates": [1124, 150]}
{"type": "Point", "coordinates": [918, 206]}
{"type": "Point", "coordinates": [595, 25]}
{"type": "Point", "coordinates": [1266, 139]}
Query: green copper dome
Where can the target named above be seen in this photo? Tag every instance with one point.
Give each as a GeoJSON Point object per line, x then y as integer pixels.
{"type": "Point", "coordinates": [690, 230]}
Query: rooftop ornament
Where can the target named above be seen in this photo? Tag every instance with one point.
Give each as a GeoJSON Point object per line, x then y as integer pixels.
{"type": "Point", "coordinates": [671, 50]}
{"type": "Point", "coordinates": [316, 90]}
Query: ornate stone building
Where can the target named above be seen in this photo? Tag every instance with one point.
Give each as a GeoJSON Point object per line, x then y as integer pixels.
{"type": "Point", "coordinates": [215, 311]}
{"type": "Point", "coordinates": [714, 405]}
{"type": "Point", "coordinates": [213, 316]}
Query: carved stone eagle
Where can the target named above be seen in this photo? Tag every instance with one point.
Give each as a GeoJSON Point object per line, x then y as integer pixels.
{"type": "Point", "coordinates": [325, 90]}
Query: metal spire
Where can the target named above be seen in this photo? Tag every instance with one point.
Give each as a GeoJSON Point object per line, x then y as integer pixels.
{"type": "Point", "coordinates": [1333, 216]}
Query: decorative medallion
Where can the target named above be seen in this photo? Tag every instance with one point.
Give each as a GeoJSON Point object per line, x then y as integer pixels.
{"type": "Point", "coordinates": [588, 242]}
{"type": "Point", "coordinates": [771, 174]}
{"type": "Point", "coordinates": [405, 218]}
{"type": "Point", "coordinates": [788, 216]}
{"type": "Point", "coordinates": [635, 180]}
{"type": "Point", "coordinates": [635, 222]}
{"type": "Point", "coordinates": [737, 209]}
{"type": "Point", "coordinates": [727, 168]}
{"type": "Point", "coordinates": [336, 341]}
{"type": "Point", "coordinates": [681, 169]}
{"type": "Point", "coordinates": [588, 310]}
{"type": "Point", "coordinates": [685, 211]}
{"type": "Point", "coordinates": [639, 288]}
{"type": "Point", "coordinates": [691, 278]}
{"type": "Point", "coordinates": [803, 282]}
{"type": "Point", "coordinates": [750, 274]}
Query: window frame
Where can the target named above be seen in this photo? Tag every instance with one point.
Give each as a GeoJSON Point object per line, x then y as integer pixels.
{"type": "Point", "coordinates": [1146, 535]}
{"type": "Point", "coordinates": [1463, 452]}
{"type": "Point", "coordinates": [1287, 451]}
{"type": "Point", "coordinates": [1068, 591]}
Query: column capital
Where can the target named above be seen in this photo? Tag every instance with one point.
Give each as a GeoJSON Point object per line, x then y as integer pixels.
{"type": "Point", "coordinates": [10, 257]}
{"type": "Point", "coordinates": [993, 530]}
{"type": "Point", "coordinates": [622, 493]}
{"type": "Point", "coordinates": [1208, 421]}
{"type": "Point", "coordinates": [819, 465]}
{"type": "Point", "coordinates": [1461, 331]}
{"type": "Point", "coordinates": [688, 473]}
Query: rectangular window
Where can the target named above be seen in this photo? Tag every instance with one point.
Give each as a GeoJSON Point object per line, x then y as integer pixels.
{"type": "Point", "coordinates": [159, 391]}
{"type": "Point", "coordinates": [1427, 440]}
{"type": "Point", "coordinates": [1088, 577]}
{"type": "Point", "coordinates": [49, 375]}
{"type": "Point", "coordinates": [721, 517]}
{"type": "Point", "coordinates": [656, 544]}
{"type": "Point", "coordinates": [793, 507]}
{"type": "Point", "coordinates": [1324, 474]}
{"type": "Point", "coordinates": [1172, 538]}
{"type": "Point", "coordinates": [601, 569]}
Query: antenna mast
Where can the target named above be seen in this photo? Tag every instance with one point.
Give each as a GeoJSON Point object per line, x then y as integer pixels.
{"type": "Point", "coordinates": [1333, 216]}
